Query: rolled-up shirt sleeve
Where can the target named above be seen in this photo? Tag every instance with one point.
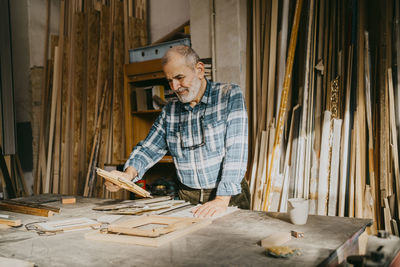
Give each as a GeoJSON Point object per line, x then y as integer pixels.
{"type": "Point", "coordinates": [149, 151]}
{"type": "Point", "coordinates": [236, 145]}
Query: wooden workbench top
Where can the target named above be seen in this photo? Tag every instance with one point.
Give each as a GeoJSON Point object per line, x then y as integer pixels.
{"type": "Point", "coordinates": [230, 240]}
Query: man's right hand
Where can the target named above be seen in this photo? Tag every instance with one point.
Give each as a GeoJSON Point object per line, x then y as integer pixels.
{"type": "Point", "coordinates": [129, 174]}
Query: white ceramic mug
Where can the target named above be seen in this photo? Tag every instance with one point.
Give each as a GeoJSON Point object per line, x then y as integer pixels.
{"type": "Point", "coordinates": [298, 210]}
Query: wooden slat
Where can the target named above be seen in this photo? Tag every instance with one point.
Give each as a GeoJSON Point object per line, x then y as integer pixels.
{"type": "Point", "coordinates": [117, 111]}
{"type": "Point", "coordinates": [393, 130]}
{"type": "Point", "coordinates": [94, 150]}
{"type": "Point", "coordinates": [40, 168]}
{"type": "Point", "coordinates": [54, 95]}
{"type": "Point", "coordinates": [345, 138]}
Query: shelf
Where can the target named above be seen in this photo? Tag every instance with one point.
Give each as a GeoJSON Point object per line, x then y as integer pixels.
{"type": "Point", "coordinates": [144, 71]}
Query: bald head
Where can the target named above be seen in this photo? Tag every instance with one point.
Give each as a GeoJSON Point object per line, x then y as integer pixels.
{"type": "Point", "coordinates": [190, 56]}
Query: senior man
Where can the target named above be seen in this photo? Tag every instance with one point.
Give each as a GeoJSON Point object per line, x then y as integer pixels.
{"type": "Point", "coordinates": [205, 132]}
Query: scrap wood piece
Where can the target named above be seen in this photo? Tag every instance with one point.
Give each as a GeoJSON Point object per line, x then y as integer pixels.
{"type": "Point", "coordinates": [10, 222]}
{"type": "Point", "coordinates": [123, 183]}
{"type": "Point", "coordinates": [276, 239]}
{"type": "Point", "coordinates": [179, 226]}
{"type": "Point", "coordinates": [28, 208]}
{"type": "Point", "coordinates": [68, 200]}
{"type": "Point", "coordinates": [297, 234]}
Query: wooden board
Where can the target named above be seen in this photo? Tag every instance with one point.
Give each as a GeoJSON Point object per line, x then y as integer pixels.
{"type": "Point", "coordinates": [175, 227]}
{"type": "Point", "coordinates": [10, 222]}
{"type": "Point", "coordinates": [122, 182]}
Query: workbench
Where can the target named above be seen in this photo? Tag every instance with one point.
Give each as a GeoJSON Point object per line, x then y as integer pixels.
{"type": "Point", "coordinates": [232, 240]}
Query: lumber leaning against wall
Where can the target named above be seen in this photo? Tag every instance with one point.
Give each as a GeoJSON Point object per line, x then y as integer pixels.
{"type": "Point", "coordinates": [92, 48]}
{"type": "Point", "coordinates": [350, 168]}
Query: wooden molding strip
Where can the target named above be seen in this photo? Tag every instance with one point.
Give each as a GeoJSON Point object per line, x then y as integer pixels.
{"type": "Point", "coordinates": [28, 208]}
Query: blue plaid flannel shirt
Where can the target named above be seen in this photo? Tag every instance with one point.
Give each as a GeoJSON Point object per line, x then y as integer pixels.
{"type": "Point", "coordinates": [219, 121]}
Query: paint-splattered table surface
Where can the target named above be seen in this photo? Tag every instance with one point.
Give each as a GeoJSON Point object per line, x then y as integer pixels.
{"type": "Point", "coordinates": [232, 240]}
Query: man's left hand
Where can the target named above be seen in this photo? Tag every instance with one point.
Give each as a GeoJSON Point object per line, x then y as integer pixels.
{"type": "Point", "coordinates": [212, 208]}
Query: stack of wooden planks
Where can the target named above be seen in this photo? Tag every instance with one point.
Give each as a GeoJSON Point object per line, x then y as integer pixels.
{"type": "Point", "coordinates": [82, 94]}
{"type": "Point", "coordinates": [325, 128]}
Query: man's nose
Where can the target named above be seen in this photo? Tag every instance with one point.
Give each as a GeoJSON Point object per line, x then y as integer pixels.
{"type": "Point", "coordinates": [175, 85]}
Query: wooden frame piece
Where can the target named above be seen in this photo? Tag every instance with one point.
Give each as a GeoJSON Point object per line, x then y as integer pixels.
{"type": "Point", "coordinates": [67, 225]}
{"type": "Point", "coordinates": [123, 183]}
{"type": "Point", "coordinates": [129, 232]}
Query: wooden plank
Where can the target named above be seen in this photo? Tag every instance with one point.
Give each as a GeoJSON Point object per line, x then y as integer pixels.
{"type": "Point", "coordinates": [117, 105]}
{"type": "Point", "coordinates": [253, 171]}
{"type": "Point", "coordinates": [57, 137]}
{"type": "Point", "coordinates": [334, 169]}
{"type": "Point", "coordinates": [352, 169]}
{"type": "Point", "coordinates": [77, 180]}
{"type": "Point", "coordinates": [286, 172]}
{"type": "Point", "coordinates": [285, 93]}
{"type": "Point", "coordinates": [345, 138]}
{"type": "Point", "coordinates": [54, 95]}
{"type": "Point", "coordinates": [323, 185]}
{"type": "Point", "coordinates": [272, 61]}
{"type": "Point", "coordinates": [319, 80]}
{"type": "Point", "coordinates": [283, 36]}
{"type": "Point", "coordinates": [261, 166]}
{"type": "Point", "coordinates": [151, 241]}
{"type": "Point", "coordinates": [26, 190]}
{"type": "Point", "coordinates": [126, 30]}
{"type": "Point", "coordinates": [41, 154]}
{"type": "Point", "coordinates": [393, 130]}
{"type": "Point", "coordinates": [93, 36]}
{"type": "Point", "coordinates": [263, 101]}
{"type": "Point", "coordinates": [26, 208]}
{"type": "Point", "coordinates": [361, 107]}
{"type": "Point", "coordinates": [65, 118]}
{"type": "Point", "coordinates": [308, 133]}
{"type": "Point", "coordinates": [372, 179]}
{"type": "Point", "coordinates": [89, 182]}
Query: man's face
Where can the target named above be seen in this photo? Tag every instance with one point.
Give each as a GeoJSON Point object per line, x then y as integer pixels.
{"type": "Point", "coordinates": [183, 80]}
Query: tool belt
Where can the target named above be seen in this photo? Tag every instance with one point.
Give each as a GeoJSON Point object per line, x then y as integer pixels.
{"type": "Point", "coordinates": [200, 196]}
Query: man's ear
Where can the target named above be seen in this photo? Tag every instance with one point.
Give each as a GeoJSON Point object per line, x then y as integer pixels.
{"type": "Point", "coordinates": [200, 69]}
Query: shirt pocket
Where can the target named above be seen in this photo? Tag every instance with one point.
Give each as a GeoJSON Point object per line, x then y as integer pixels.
{"type": "Point", "coordinates": [174, 143]}
{"type": "Point", "coordinates": [215, 136]}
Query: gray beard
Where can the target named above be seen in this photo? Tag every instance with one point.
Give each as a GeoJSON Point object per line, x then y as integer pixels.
{"type": "Point", "coordinates": [193, 91]}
